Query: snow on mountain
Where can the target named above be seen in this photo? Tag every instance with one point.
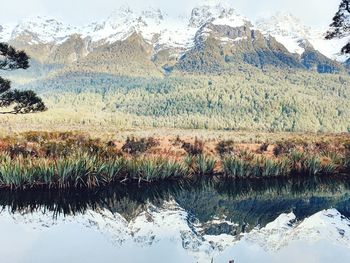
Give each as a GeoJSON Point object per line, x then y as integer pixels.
{"type": "Point", "coordinates": [155, 27]}
{"type": "Point", "coordinates": [42, 30]}
{"type": "Point", "coordinates": [208, 18]}
{"type": "Point", "coordinates": [151, 228]}
{"type": "Point", "coordinates": [331, 47]}
{"type": "Point", "coordinates": [169, 225]}
{"type": "Point", "coordinates": [160, 29]}
{"type": "Point", "coordinates": [293, 34]}
{"type": "Point", "coordinates": [326, 225]}
{"type": "Point", "coordinates": [217, 14]}
{"type": "Point", "coordinates": [5, 32]}
{"type": "Point", "coordinates": [122, 23]}
{"type": "Point", "coordinates": [177, 33]}
{"type": "Point", "coordinates": [287, 29]}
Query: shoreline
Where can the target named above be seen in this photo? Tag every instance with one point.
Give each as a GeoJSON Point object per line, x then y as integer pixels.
{"type": "Point", "coordinates": [74, 160]}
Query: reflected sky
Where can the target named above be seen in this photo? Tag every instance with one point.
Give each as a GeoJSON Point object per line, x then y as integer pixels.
{"type": "Point", "coordinates": [182, 222]}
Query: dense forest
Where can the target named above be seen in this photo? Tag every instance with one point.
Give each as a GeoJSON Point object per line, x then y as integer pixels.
{"type": "Point", "coordinates": [249, 98]}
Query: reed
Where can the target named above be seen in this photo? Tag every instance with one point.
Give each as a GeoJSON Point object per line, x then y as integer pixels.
{"type": "Point", "coordinates": [237, 167]}
{"type": "Point", "coordinates": [90, 170]}
{"type": "Point", "coordinates": [234, 167]}
{"type": "Point", "coordinates": [203, 165]}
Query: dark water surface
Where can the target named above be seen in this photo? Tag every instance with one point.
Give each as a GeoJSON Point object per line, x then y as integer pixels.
{"type": "Point", "coordinates": [148, 223]}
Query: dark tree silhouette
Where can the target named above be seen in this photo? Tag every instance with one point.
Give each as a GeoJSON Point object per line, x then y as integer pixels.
{"type": "Point", "coordinates": [341, 21]}
{"type": "Point", "coordinates": [21, 101]}
{"type": "Point", "coordinates": [346, 49]}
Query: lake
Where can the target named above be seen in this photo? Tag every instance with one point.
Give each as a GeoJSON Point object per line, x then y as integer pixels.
{"type": "Point", "coordinates": [289, 220]}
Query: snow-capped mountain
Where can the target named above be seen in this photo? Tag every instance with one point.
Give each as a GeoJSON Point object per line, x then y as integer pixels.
{"type": "Point", "coordinates": [5, 32]}
{"type": "Point", "coordinates": [296, 37]}
{"type": "Point", "coordinates": [168, 227]}
{"type": "Point", "coordinates": [154, 26]}
{"type": "Point", "coordinates": [39, 29]}
{"type": "Point", "coordinates": [212, 38]}
{"type": "Point", "coordinates": [288, 30]}
{"type": "Point", "coordinates": [159, 29]}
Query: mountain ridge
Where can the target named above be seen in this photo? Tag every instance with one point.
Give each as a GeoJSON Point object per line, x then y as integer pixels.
{"type": "Point", "coordinates": [171, 40]}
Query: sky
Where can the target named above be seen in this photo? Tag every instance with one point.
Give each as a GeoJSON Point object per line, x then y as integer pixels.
{"type": "Point", "coordinates": [78, 12]}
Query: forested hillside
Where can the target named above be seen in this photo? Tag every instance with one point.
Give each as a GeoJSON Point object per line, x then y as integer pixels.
{"type": "Point", "coordinates": [213, 69]}
{"type": "Point", "coordinates": [250, 98]}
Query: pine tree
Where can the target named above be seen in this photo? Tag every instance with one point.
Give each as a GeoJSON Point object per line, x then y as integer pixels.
{"type": "Point", "coordinates": [341, 21]}
{"type": "Point", "coordinates": [21, 101]}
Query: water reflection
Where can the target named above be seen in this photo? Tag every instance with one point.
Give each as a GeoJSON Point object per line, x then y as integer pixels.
{"type": "Point", "coordinates": [247, 203]}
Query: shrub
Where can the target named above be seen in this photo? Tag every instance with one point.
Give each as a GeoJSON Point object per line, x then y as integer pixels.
{"type": "Point", "coordinates": [322, 146]}
{"type": "Point", "coordinates": [194, 149]}
{"type": "Point", "coordinates": [347, 156]}
{"type": "Point", "coordinates": [284, 147]}
{"type": "Point", "coordinates": [225, 147]}
{"type": "Point", "coordinates": [21, 150]}
{"type": "Point", "coordinates": [55, 149]}
{"type": "Point", "coordinates": [134, 146]}
{"type": "Point", "coordinates": [263, 147]}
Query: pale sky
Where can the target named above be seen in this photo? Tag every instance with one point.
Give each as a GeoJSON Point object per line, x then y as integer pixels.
{"type": "Point", "coordinates": [78, 12]}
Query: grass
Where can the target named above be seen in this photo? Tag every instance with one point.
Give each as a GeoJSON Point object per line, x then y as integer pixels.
{"type": "Point", "coordinates": [261, 167]}
{"type": "Point", "coordinates": [84, 171]}
{"type": "Point", "coordinates": [89, 171]}
{"type": "Point", "coordinates": [69, 160]}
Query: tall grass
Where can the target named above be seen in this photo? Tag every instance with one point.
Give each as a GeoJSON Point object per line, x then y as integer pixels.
{"type": "Point", "coordinates": [237, 167]}
{"type": "Point", "coordinates": [85, 170]}
{"type": "Point", "coordinates": [89, 170]}
{"type": "Point", "coordinates": [315, 164]}
{"type": "Point", "coordinates": [200, 164]}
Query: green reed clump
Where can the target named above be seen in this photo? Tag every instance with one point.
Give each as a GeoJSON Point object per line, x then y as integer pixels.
{"type": "Point", "coordinates": [274, 168]}
{"type": "Point", "coordinates": [347, 157]}
{"type": "Point", "coordinates": [315, 164]}
{"type": "Point", "coordinates": [312, 165]}
{"type": "Point", "coordinates": [89, 170]}
{"type": "Point", "coordinates": [203, 165]}
{"type": "Point", "coordinates": [84, 170]}
{"type": "Point", "coordinates": [234, 167]}
{"type": "Point", "coordinates": [150, 169]}
{"type": "Point", "coordinates": [173, 169]}
{"type": "Point", "coordinates": [237, 167]}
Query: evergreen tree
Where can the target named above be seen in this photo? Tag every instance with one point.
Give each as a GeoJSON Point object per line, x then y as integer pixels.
{"type": "Point", "coordinates": [341, 21]}
{"type": "Point", "coordinates": [21, 101]}
{"type": "Point", "coordinates": [346, 49]}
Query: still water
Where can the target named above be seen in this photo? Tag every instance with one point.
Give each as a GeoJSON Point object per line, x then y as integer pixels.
{"type": "Point", "coordinates": [299, 220]}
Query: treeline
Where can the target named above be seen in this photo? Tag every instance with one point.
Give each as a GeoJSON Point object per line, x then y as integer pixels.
{"type": "Point", "coordinates": [247, 99]}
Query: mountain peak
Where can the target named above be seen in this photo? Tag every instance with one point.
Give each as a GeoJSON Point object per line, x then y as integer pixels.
{"type": "Point", "coordinates": [285, 24]}
{"type": "Point", "coordinates": [220, 13]}
{"type": "Point", "coordinates": [43, 29]}
{"type": "Point", "coordinates": [152, 13]}
{"type": "Point", "coordinates": [287, 29]}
